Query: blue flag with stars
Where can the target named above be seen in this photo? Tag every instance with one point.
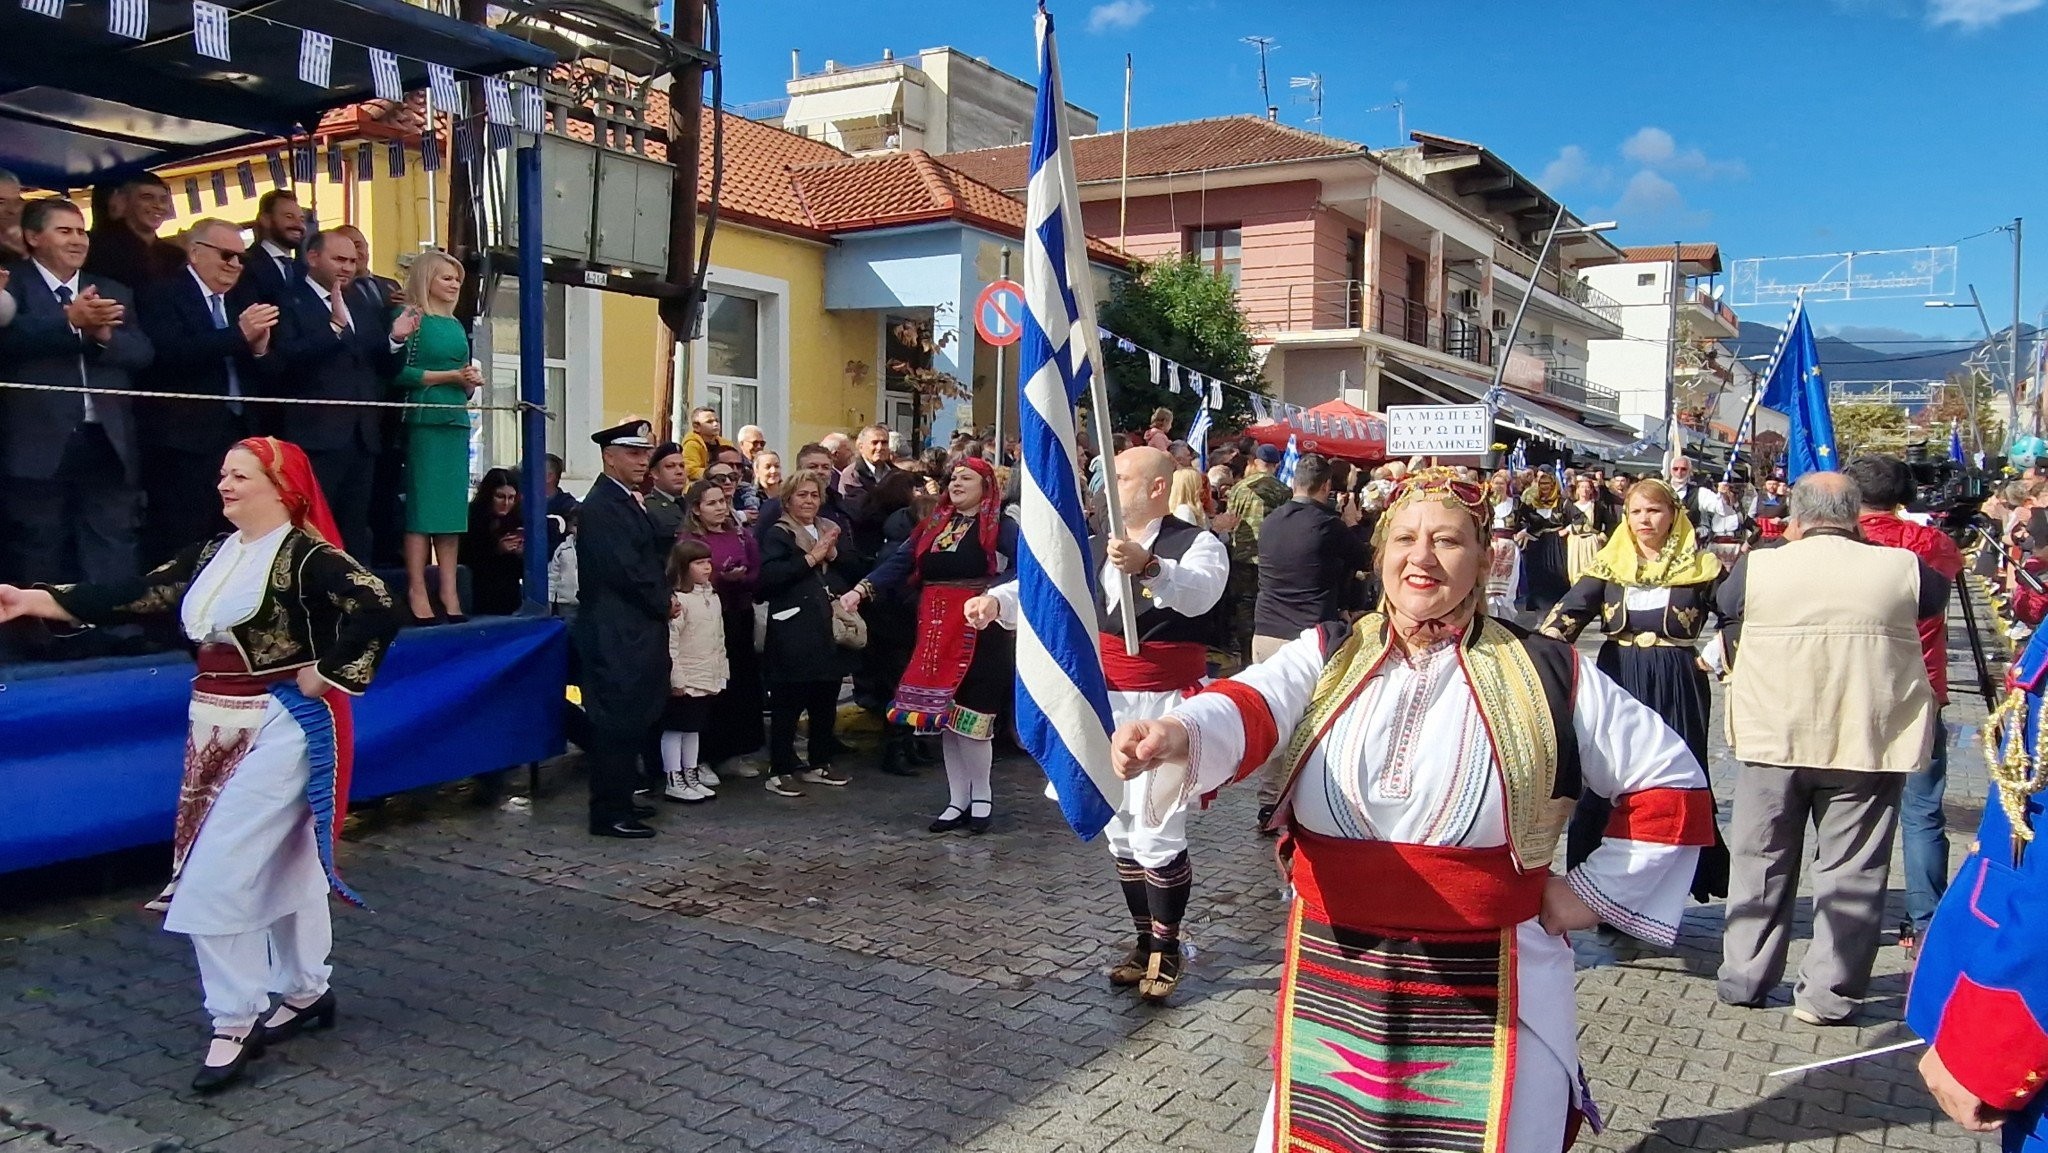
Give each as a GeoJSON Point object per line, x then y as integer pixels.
{"type": "Point", "coordinates": [1797, 389]}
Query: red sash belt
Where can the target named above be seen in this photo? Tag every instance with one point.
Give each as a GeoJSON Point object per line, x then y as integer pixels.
{"type": "Point", "coordinates": [1394, 888]}
{"type": "Point", "coordinates": [222, 670]}
{"type": "Point", "coordinates": [1159, 667]}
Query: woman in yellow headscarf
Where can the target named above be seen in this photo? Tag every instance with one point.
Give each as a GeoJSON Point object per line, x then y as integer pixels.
{"type": "Point", "coordinates": [1651, 587]}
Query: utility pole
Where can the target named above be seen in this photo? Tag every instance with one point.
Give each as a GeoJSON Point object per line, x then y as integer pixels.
{"type": "Point", "coordinates": [1264, 44]}
{"type": "Point", "coordinates": [1674, 444]}
{"type": "Point", "coordinates": [2012, 361]}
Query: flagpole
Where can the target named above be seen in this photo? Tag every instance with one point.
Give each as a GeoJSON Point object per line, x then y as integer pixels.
{"type": "Point", "coordinates": [1123, 191]}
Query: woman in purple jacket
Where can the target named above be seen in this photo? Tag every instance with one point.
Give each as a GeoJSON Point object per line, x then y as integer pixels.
{"type": "Point", "coordinates": [735, 728]}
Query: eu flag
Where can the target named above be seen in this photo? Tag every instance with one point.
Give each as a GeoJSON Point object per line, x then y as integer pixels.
{"type": "Point", "coordinates": [1955, 442]}
{"type": "Point", "coordinates": [1797, 389]}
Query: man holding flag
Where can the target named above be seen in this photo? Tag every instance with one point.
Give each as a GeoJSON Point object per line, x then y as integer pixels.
{"type": "Point", "coordinates": [1179, 571]}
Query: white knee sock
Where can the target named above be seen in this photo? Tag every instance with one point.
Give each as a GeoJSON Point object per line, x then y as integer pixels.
{"type": "Point", "coordinates": [672, 752]}
{"type": "Point", "coordinates": [689, 748]}
{"type": "Point", "coordinates": [967, 769]}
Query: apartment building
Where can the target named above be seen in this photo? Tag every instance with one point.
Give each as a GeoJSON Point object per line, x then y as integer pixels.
{"type": "Point", "coordinates": [1672, 361]}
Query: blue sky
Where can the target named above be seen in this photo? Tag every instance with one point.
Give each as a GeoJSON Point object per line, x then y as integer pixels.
{"type": "Point", "coordinates": [1775, 127]}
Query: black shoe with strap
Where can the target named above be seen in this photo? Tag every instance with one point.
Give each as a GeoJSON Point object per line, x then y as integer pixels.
{"type": "Point", "coordinates": [213, 1078]}
{"type": "Point", "coordinates": [289, 1020]}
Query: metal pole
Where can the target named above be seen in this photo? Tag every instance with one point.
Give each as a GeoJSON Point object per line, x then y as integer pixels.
{"type": "Point", "coordinates": [1123, 190]}
{"type": "Point", "coordinates": [1500, 358]}
{"type": "Point", "coordinates": [533, 381]}
{"type": "Point", "coordinates": [1002, 370]}
{"type": "Point", "coordinates": [1112, 511]}
{"type": "Point", "coordinates": [433, 201]}
{"type": "Point", "coordinates": [2012, 361]}
{"type": "Point", "coordinates": [1672, 441]}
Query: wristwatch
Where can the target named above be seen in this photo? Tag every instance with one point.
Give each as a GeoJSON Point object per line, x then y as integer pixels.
{"type": "Point", "coordinates": [1151, 570]}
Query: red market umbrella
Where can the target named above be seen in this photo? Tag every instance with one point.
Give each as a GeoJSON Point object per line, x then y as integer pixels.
{"type": "Point", "coordinates": [1335, 429]}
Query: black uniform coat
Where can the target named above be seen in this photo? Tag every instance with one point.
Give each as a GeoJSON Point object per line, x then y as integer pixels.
{"type": "Point", "coordinates": [622, 610]}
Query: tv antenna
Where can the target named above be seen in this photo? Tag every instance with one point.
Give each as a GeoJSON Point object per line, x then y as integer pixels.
{"type": "Point", "coordinates": [1313, 85]}
{"type": "Point", "coordinates": [1265, 45]}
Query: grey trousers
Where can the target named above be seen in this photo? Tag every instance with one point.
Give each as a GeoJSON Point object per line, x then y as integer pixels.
{"type": "Point", "coordinates": [1854, 816]}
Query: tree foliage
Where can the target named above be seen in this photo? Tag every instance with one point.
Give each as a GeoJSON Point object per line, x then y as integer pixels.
{"type": "Point", "coordinates": [1188, 314]}
{"type": "Point", "coordinates": [1869, 427]}
{"type": "Point", "coordinates": [1952, 405]}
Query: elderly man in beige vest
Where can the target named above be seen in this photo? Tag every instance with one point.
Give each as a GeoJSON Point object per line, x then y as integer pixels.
{"type": "Point", "coordinates": [1829, 709]}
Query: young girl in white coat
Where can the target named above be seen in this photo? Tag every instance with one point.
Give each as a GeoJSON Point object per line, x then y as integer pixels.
{"type": "Point", "coordinates": [697, 671]}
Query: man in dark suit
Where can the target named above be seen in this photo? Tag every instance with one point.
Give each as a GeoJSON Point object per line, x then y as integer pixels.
{"type": "Point", "coordinates": [274, 264]}
{"type": "Point", "coordinates": [380, 292]}
{"type": "Point", "coordinates": [210, 341]}
{"type": "Point", "coordinates": [68, 458]}
{"type": "Point", "coordinates": [125, 220]}
{"type": "Point", "coordinates": [329, 347]}
{"type": "Point", "coordinates": [622, 619]}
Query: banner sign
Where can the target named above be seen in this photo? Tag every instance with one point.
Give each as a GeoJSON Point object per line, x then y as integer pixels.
{"type": "Point", "coordinates": [1439, 430]}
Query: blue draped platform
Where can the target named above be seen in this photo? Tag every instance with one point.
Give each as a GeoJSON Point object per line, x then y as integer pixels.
{"type": "Point", "coordinates": [91, 752]}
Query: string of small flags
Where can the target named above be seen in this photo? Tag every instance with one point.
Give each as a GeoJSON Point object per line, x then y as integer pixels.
{"type": "Point", "coordinates": [344, 161]}
{"type": "Point", "coordinates": [509, 104]}
{"type": "Point", "coordinates": [1164, 369]}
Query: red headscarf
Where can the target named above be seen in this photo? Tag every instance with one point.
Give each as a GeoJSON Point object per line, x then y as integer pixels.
{"type": "Point", "coordinates": [990, 513]}
{"type": "Point", "coordinates": [287, 467]}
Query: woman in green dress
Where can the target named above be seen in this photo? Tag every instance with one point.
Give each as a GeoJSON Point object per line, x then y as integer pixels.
{"type": "Point", "coordinates": [437, 371]}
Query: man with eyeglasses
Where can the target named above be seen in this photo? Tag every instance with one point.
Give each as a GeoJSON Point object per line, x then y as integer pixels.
{"type": "Point", "coordinates": [729, 470]}
{"type": "Point", "coordinates": [211, 341]}
{"type": "Point", "coordinates": [751, 441]}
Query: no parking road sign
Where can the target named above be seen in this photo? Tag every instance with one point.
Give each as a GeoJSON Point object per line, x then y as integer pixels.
{"type": "Point", "coordinates": [999, 313]}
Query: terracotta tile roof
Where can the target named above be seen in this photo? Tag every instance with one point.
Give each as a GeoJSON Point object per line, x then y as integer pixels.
{"type": "Point", "coordinates": [908, 188]}
{"type": "Point", "coordinates": [1189, 146]}
{"type": "Point", "coordinates": [1704, 254]}
{"type": "Point", "coordinates": [757, 186]}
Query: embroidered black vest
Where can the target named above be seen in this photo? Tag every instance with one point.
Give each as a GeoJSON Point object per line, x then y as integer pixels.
{"type": "Point", "coordinates": [1163, 625]}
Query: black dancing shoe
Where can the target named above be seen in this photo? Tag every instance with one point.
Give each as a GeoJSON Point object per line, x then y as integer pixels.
{"type": "Point", "coordinates": [624, 830]}
{"type": "Point", "coordinates": [318, 1015]}
{"type": "Point", "coordinates": [977, 823]}
{"type": "Point", "coordinates": [946, 824]}
{"type": "Point", "coordinates": [213, 1078]}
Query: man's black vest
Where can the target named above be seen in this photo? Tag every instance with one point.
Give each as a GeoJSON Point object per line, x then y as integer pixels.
{"type": "Point", "coordinates": [1158, 624]}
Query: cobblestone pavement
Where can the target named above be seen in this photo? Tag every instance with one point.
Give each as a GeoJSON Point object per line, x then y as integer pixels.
{"type": "Point", "coordinates": [821, 974]}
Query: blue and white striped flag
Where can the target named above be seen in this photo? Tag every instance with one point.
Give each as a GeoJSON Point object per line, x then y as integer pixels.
{"type": "Point", "coordinates": [442, 87]}
{"type": "Point", "coordinates": [498, 100]}
{"type": "Point", "coordinates": [1198, 436]}
{"type": "Point", "coordinates": [51, 8]}
{"type": "Point", "coordinates": [1518, 457]}
{"type": "Point", "coordinates": [1063, 716]}
{"type": "Point", "coordinates": [532, 109]}
{"type": "Point", "coordinates": [316, 58]}
{"type": "Point", "coordinates": [129, 18]}
{"type": "Point", "coordinates": [210, 30]}
{"type": "Point", "coordinates": [1285, 473]}
{"type": "Point", "coordinates": [384, 78]}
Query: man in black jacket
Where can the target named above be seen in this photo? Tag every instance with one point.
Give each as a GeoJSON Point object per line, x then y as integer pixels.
{"type": "Point", "coordinates": [68, 458]}
{"type": "Point", "coordinates": [329, 347]}
{"type": "Point", "coordinates": [621, 628]}
{"type": "Point", "coordinates": [1309, 564]}
{"type": "Point", "coordinates": [210, 341]}
{"type": "Point", "coordinates": [274, 265]}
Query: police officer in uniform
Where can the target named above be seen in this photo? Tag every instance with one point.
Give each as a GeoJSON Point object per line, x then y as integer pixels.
{"type": "Point", "coordinates": [621, 628]}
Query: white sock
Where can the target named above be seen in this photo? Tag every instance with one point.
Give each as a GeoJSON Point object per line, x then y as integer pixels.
{"type": "Point", "coordinates": [672, 752]}
{"type": "Point", "coordinates": [688, 747]}
{"type": "Point", "coordinates": [967, 769]}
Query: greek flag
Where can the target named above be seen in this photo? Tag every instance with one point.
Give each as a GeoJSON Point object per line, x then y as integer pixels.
{"type": "Point", "coordinates": [210, 29]}
{"type": "Point", "coordinates": [384, 78]}
{"type": "Point", "coordinates": [1062, 699]}
{"type": "Point", "coordinates": [1198, 436]}
{"type": "Point", "coordinates": [129, 18]}
{"type": "Point", "coordinates": [1285, 473]}
{"type": "Point", "coordinates": [532, 111]}
{"type": "Point", "coordinates": [441, 86]}
{"type": "Point", "coordinates": [497, 100]}
{"type": "Point", "coordinates": [1518, 458]}
{"type": "Point", "coordinates": [316, 58]}
{"type": "Point", "coordinates": [51, 8]}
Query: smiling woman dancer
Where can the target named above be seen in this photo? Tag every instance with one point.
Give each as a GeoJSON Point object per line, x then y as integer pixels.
{"type": "Point", "coordinates": [281, 617]}
{"type": "Point", "coordinates": [1432, 756]}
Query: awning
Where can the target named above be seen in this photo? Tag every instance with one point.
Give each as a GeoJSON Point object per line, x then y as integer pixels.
{"type": "Point", "coordinates": [847, 105]}
{"type": "Point", "coordinates": [79, 104]}
{"type": "Point", "coordinates": [1514, 412]}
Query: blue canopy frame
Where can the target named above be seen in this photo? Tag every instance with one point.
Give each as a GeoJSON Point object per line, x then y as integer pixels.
{"type": "Point", "coordinates": [79, 105]}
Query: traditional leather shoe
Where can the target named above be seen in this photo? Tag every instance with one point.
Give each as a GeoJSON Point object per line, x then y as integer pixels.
{"type": "Point", "coordinates": [289, 1019]}
{"type": "Point", "coordinates": [946, 824]}
{"type": "Point", "coordinates": [213, 1078]}
{"type": "Point", "coordinates": [1132, 969]}
{"type": "Point", "coordinates": [978, 822]}
{"type": "Point", "coordinates": [1162, 974]}
{"type": "Point", "coordinates": [624, 830]}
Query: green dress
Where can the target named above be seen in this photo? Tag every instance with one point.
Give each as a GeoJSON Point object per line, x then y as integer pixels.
{"type": "Point", "coordinates": [436, 441]}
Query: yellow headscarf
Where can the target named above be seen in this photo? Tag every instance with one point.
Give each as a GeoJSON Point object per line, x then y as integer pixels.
{"type": "Point", "coordinates": [1680, 562]}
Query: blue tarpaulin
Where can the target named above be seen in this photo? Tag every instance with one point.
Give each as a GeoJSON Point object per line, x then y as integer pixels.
{"type": "Point", "coordinates": [91, 755]}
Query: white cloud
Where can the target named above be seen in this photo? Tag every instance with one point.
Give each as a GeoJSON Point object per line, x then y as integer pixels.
{"type": "Point", "coordinates": [1650, 146]}
{"type": "Point", "coordinates": [1119, 14]}
{"type": "Point", "coordinates": [1570, 167]}
{"type": "Point", "coordinates": [1975, 15]}
{"type": "Point", "coordinates": [1654, 148]}
{"type": "Point", "coordinates": [1648, 195]}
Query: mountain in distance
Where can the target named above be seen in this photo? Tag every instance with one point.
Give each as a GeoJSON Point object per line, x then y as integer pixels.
{"type": "Point", "coordinates": [1844, 360]}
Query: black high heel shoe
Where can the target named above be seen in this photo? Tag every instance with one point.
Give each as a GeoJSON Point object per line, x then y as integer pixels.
{"type": "Point", "coordinates": [213, 1078]}
{"type": "Point", "coordinates": [977, 823]}
{"type": "Point", "coordinates": [318, 1015]}
{"type": "Point", "coordinates": [946, 824]}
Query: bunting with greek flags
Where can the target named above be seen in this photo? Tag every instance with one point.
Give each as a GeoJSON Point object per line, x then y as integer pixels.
{"type": "Point", "coordinates": [1198, 435]}
{"type": "Point", "coordinates": [1063, 717]}
{"type": "Point", "coordinates": [316, 58]}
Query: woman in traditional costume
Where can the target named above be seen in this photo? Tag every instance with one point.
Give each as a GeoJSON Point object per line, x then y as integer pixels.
{"type": "Point", "coordinates": [282, 617]}
{"type": "Point", "coordinates": [1651, 589]}
{"type": "Point", "coordinates": [1588, 521]}
{"type": "Point", "coordinates": [961, 679]}
{"type": "Point", "coordinates": [1432, 755]}
{"type": "Point", "coordinates": [1504, 548]}
{"type": "Point", "coordinates": [1544, 519]}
